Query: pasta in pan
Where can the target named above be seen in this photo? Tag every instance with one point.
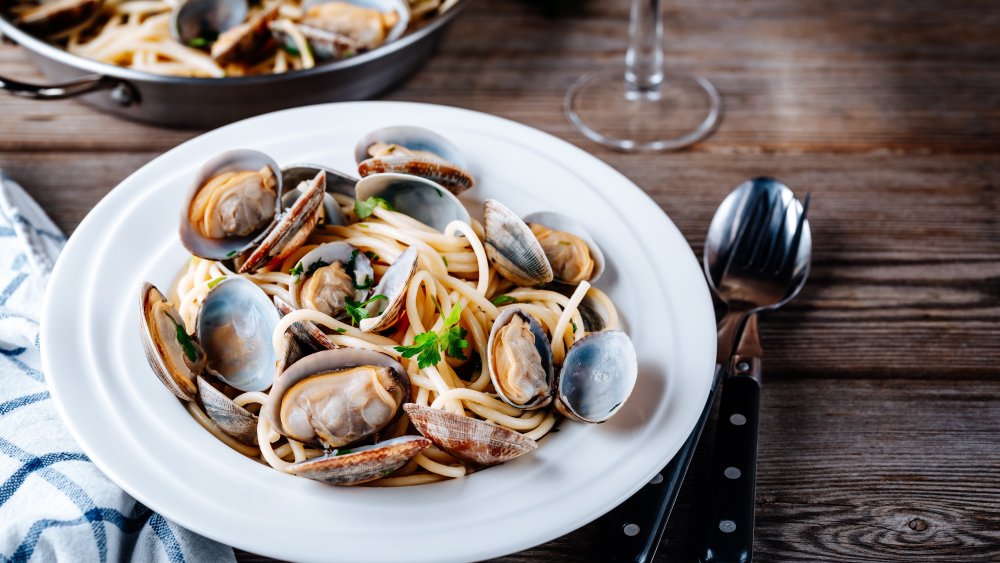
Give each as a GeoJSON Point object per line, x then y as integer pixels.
{"type": "Point", "coordinates": [170, 37]}
{"type": "Point", "coordinates": [483, 344]}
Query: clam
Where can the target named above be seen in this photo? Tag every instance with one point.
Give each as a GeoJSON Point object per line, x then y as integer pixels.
{"type": "Point", "coordinates": [330, 275]}
{"type": "Point", "coordinates": [512, 248]}
{"type": "Point", "coordinates": [469, 439]}
{"type": "Point", "coordinates": [520, 360]}
{"type": "Point", "coordinates": [570, 250]}
{"type": "Point", "coordinates": [175, 356]}
{"type": "Point", "coordinates": [232, 205]}
{"type": "Point", "coordinates": [230, 417]}
{"type": "Point", "coordinates": [416, 151]}
{"type": "Point", "coordinates": [234, 327]}
{"type": "Point", "coordinates": [306, 334]}
{"type": "Point", "coordinates": [338, 182]}
{"type": "Point", "coordinates": [383, 313]}
{"type": "Point", "coordinates": [420, 198]}
{"type": "Point", "coordinates": [337, 29]}
{"type": "Point", "coordinates": [181, 364]}
{"type": "Point", "coordinates": [292, 230]}
{"type": "Point", "coordinates": [337, 397]}
{"type": "Point", "coordinates": [596, 377]}
{"type": "Point", "coordinates": [246, 42]}
{"type": "Point", "coordinates": [60, 15]}
{"type": "Point", "coordinates": [193, 20]}
{"type": "Point", "coordinates": [360, 465]}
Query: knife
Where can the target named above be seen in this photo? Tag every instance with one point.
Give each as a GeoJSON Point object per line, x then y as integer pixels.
{"type": "Point", "coordinates": [727, 521]}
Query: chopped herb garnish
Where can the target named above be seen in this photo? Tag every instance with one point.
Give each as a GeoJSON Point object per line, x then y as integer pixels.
{"type": "Point", "coordinates": [315, 266]}
{"type": "Point", "coordinates": [185, 341]}
{"type": "Point", "coordinates": [387, 472]}
{"type": "Point", "coordinates": [341, 452]}
{"type": "Point", "coordinates": [427, 346]}
{"type": "Point", "coordinates": [357, 311]}
{"type": "Point", "coordinates": [340, 330]}
{"type": "Point", "coordinates": [445, 260]}
{"type": "Point", "coordinates": [348, 54]}
{"type": "Point", "coordinates": [231, 253]}
{"type": "Point", "coordinates": [371, 255]}
{"type": "Point", "coordinates": [215, 282]}
{"type": "Point", "coordinates": [351, 269]}
{"type": "Point", "coordinates": [198, 43]}
{"type": "Point", "coordinates": [364, 209]}
{"type": "Point", "coordinates": [574, 325]}
{"type": "Point", "coordinates": [296, 271]}
{"type": "Point", "coordinates": [291, 50]}
{"type": "Point", "coordinates": [503, 300]}
{"type": "Point", "coordinates": [440, 193]}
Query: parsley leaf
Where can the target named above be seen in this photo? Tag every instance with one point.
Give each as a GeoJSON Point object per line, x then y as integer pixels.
{"type": "Point", "coordinates": [427, 346]}
{"type": "Point", "coordinates": [184, 339]}
{"type": "Point", "coordinates": [296, 271]}
{"type": "Point", "coordinates": [503, 300]}
{"type": "Point", "coordinates": [315, 266]}
{"type": "Point", "coordinates": [357, 311]}
{"type": "Point", "coordinates": [215, 282]}
{"type": "Point", "coordinates": [231, 253]}
{"type": "Point", "coordinates": [339, 330]}
{"type": "Point", "coordinates": [364, 209]}
{"type": "Point", "coordinates": [371, 255]}
{"type": "Point", "coordinates": [198, 42]}
{"type": "Point", "coordinates": [445, 260]}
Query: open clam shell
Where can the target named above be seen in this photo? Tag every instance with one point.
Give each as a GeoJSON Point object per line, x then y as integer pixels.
{"type": "Point", "coordinates": [383, 313]}
{"type": "Point", "coordinates": [559, 222]}
{"type": "Point", "coordinates": [597, 376]}
{"type": "Point", "coordinates": [429, 155]}
{"type": "Point", "coordinates": [336, 182]}
{"type": "Point", "coordinates": [194, 19]}
{"type": "Point", "coordinates": [363, 464]}
{"type": "Point", "coordinates": [512, 248]}
{"type": "Point", "coordinates": [420, 198]}
{"type": "Point", "coordinates": [469, 439]}
{"type": "Point", "coordinates": [235, 324]}
{"type": "Point", "coordinates": [337, 39]}
{"type": "Point", "coordinates": [307, 334]}
{"type": "Point", "coordinates": [520, 368]}
{"type": "Point", "coordinates": [227, 247]}
{"type": "Point", "coordinates": [355, 264]}
{"type": "Point", "coordinates": [230, 417]}
{"type": "Point", "coordinates": [337, 397]}
{"type": "Point", "coordinates": [292, 230]}
{"type": "Point", "coordinates": [175, 357]}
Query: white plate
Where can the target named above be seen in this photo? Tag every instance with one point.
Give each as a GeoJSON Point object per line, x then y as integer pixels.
{"type": "Point", "coordinates": [142, 437]}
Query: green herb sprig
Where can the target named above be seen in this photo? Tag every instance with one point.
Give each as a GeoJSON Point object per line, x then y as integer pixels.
{"type": "Point", "coordinates": [357, 311]}
{"type": "Point", "coordinates": [364, 208]}
{"type": "Point", "coordinates": [427, 346]}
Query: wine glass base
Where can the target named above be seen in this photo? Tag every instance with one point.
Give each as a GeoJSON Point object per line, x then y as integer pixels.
{"type": "Point", "coordinates": [685, 109]}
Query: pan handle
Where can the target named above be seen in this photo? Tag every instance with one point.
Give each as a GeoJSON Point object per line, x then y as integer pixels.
{"type": "Point", "coordinates": [121, 92]}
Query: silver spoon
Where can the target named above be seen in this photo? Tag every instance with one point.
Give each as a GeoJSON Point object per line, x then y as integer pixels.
{"type": "Point", "coordinates": [203, 20]}
{"type": "Point", "coordinates": [757, 255]}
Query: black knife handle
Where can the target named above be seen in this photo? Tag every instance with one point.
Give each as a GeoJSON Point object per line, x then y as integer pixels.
{"type": "Point", "coordinates": [727, 522]}
{"type": "Point", "coordinates": [631, 532]}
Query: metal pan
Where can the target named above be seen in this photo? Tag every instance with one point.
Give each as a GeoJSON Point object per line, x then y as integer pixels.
{"type": "Point", "coordinates": [210, 102]}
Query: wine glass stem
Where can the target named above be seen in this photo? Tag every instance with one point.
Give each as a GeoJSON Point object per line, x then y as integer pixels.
{"type": "Point", "coordinates": [644, 59]}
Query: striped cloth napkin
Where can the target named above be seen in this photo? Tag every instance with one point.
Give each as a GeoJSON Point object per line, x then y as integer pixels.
{"type": "Point", "coordinates": [55, 505]}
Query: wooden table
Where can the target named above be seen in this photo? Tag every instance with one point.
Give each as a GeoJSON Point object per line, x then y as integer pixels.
{"type": "Point", "coordinates": [880, 436]}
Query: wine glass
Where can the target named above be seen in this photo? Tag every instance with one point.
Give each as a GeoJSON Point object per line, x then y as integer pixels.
{"type": "Point", "coordinates": [637, 106]}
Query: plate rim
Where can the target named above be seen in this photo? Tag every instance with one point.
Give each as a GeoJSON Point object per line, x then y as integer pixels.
{"type": "Point", "coordinates": [701, 294]}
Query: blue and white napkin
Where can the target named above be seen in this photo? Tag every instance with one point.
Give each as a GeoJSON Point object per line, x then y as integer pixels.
{"type": "Point", "coordinates": [55, 505]}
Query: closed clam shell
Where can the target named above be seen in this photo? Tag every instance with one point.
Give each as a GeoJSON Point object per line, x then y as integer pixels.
{"type": "Point", "coordinates": [308, 335]}
{"type": "Point", "coordinates": [560, 222]}
{"type": "Point", "coordinates": [227, 247]}
{"type": "Point", "coordinates": [512, 248]}
{"type": "Point", "coordinates": [230, 417]}
{"type": "Point", "coordinates": [292, 230]}
{"type": "Point", "coordinates": [448, 168]}
{"type": "Point", "coordinates": [394, 284]}
{"type": "Point", "coordinates": [165, 353]}
{"type": "Point", "coordinates": [235, 324]}
{"type": "Point", "coordinates": [363, 464]}
{"type": "Point", "coordinates": [597, 376]}
{"type": "Point", "coordinates": [469, 439]}
{"type": "Point", "coordinates": [542, 346]}
{"type": "Point", "coordinates": [419, 198]}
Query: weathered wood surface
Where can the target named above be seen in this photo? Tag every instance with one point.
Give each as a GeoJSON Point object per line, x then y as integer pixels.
{"type": "Point", "coordinates": [881, 408]}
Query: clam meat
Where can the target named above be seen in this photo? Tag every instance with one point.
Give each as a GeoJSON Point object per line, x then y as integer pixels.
{"type": "Point", "coordinates": [520, 360]}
